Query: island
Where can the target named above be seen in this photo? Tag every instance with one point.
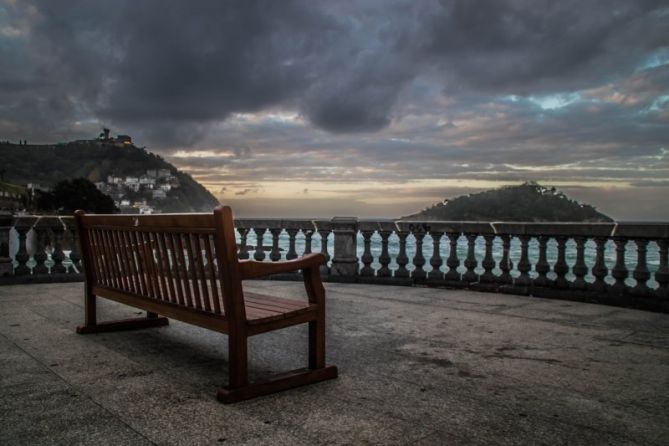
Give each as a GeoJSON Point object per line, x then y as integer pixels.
{"type": "Point", "coordinates": [529, 201]}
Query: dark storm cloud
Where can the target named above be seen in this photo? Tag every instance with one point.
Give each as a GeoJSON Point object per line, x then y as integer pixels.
{"type": "Point", "coordinates": [168, 70]}
{"type": "Point", "coordinates": [523, 47]}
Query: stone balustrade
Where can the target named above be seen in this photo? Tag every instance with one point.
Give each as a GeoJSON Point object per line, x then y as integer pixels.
{"type": "Point", "coordinates": [38, 249]}
{"type": "Point", "coordinates": [614, 263]}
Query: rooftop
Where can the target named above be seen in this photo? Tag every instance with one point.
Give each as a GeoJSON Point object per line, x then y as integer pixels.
{"type": "Point", "coordinates": [417, 366]}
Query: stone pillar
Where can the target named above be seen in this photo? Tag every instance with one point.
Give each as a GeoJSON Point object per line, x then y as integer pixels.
{"type": "Point", "coordinates": [6, 223]}
{"type": "Point", "coordinates": [345, 259]}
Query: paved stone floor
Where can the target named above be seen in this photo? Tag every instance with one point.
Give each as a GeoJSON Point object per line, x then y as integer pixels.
{"type": "Point", "coordinates": [417, 366]}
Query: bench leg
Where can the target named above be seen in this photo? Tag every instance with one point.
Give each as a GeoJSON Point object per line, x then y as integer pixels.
{"type": "Point", "coordinates": [151, 320]}
{"type": "Point", "coordinates": [317, 371]}
{"type": "Point", "coordinates": [317, 343]}
{"type": "Point", "coordinates": [238, 354]}
{"type": "Point", "coordinates": [277, 383]}
{"type": "Point", "coordinates": [90, 308]}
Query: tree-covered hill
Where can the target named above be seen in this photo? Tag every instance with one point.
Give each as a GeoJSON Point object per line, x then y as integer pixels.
{"type": "Point", "coordinates": [94, 160]}
{"type": "Point", "coordinates": [526, 202]}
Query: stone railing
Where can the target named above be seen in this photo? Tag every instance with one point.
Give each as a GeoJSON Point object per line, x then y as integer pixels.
{"type": "Point", "coordinates": [38, 249]}
{"type": "Point", "coordinates": [615, 263]}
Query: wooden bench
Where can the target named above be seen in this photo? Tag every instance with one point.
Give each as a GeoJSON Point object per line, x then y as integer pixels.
{"type": "Point", "coordinates": [185, 267]}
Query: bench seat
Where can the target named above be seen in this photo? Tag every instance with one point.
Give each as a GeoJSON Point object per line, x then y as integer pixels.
{"type": "Point", "coordinates": [261, 309]}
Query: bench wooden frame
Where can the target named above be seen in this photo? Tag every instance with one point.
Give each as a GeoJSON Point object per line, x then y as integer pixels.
{"type": "Point", "coordinates": [185, 267]}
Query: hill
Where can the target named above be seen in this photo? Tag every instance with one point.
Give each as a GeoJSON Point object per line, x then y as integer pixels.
{"type": "Point", "coordinates": [97, 160]}
{"type": "Point", "coordinates": [526, 202]}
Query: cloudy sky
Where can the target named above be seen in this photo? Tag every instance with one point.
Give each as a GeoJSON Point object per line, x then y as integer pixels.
{"type": "Point", "coordinates": [366, 107]}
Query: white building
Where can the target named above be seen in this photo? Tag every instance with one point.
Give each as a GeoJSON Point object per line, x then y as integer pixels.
{"type": "Point", "coordinates": [132, 183]}
{"type": "Point", "coordinates": [159, 194]}
{"type": "Point", "coordinates": [147, 181]}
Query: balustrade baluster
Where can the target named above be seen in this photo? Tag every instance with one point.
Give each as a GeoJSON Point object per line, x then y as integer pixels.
{"type": "Point", "coordinates": [367, 257]}
{"type": "Point", "coordinates": [402, 258]}
{"type": "Point", "coordinates": [41, 229]}
{"type": "Point", "coordinates": [599, 269]}
{"type": "Point", "coordinates": [419, 258]}
{"type": "Point", "coordinates": [243, 247]}
{"type": "Point", "coordinates": [275, 253]}
{"type": "Point", "coordinates": [488, 262]}
{"type": "Point", "coordinates": [542, 267]}
{"type": "Point", "coordinates": [580, 269]}
{"type": "Point", "coordinates": [505, 262]}
{"type": "Point", "coordinates": [523, 266]}
{"type": "Point", "coordinates": [58, 255]}
{"type": "Point", "coordinates": [453, 262]}
{"type": "Point", "coordinates": [384, 258]}
{"type": "Point", "coordinates": [75, 255]}
{"type": "Point", "coordinates": [292, 235]}
{"type": "Point", "coordinates": [436, 261]}
{"type": "Point", "coordinates": [308, 234]}
{"type": "Point", "coordinates": [324, 233]}
{"type": "Point", "coordinates": [662, 273]}
{"type": "Point", "coordinates": [22, 255]}
{"type": "Point", "coordinates": [619, 270]}
{"type": "Point", "coordinates": [641, 273]}
{"type": "Point", "coordinates": [470, 262]}
{"type": "Point", "coordinates": [260, 249]}
{"type": "Point", "coordinates": [6, 264]}
{"type": "Point", "coordinates": [561, 267]}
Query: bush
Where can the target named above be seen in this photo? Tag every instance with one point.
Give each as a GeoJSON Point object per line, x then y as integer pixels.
{"type": "Point", "coordinates": [70, 195]}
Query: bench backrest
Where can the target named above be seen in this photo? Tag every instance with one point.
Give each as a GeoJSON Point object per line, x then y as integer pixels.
{"type": "Point", "coordinates": [185, 259]}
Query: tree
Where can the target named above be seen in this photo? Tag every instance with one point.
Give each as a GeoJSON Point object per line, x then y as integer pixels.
{"type": "Point", "coordinates": [70, 195]}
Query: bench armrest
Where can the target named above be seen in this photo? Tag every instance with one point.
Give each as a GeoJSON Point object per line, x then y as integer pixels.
{"type": "Point", "coordinates": [251, 269]}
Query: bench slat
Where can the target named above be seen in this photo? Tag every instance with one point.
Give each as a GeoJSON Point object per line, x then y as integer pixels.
{"type": "Point", "coordinates": [96, 257]}
{"type": "Point", "coordinates": [150, 261]}
{"type": "Point", "coordinates": [135, 244]}
{"type": "Point", "coordinates": [157, 222]}
{"type": "Point", "coordinates": [116, 280]}
{"type": "Point", "coordinates": [130, 261]}
{"type": "Point", "coordinates": [213, 277]}
{"type": "Point", "coordinates": [175, 267]}
{"type": "Point", "coordinates": [106, 266]}
{"type": "Point", "coordinates": [192, 272]}
{"type": "Point", "coordinates": [275, 299]}
{"type": "Point", "coordinates": [163, 268]}
{"type": "Point", "coordinates": [137, 262]}
{"type": "Point", "coordinates": [199, 261]}
{"type": "Point", "coordinates": [125, 263]}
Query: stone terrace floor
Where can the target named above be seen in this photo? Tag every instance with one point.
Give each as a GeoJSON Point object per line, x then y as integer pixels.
{"type": "Point", "coordinates": [417, 366]}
